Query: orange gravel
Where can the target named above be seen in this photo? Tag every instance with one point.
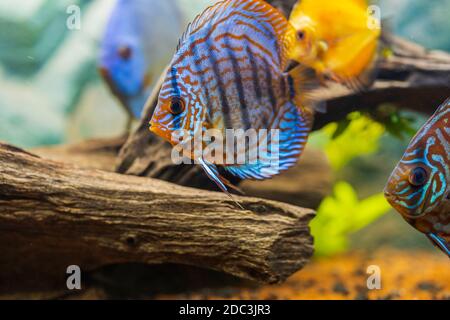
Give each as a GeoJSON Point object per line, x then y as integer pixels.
{"type": "Point", "coordinates": [404, 275]}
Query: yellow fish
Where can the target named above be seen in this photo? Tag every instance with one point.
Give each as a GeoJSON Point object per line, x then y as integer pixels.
{"type": "Point", "coordinates": [339, 39]}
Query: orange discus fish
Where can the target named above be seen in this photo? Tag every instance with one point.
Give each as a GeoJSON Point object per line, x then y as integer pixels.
{"type": "Point", "coordinates": [419, 187]}
{"type": "Point", "coordinates": [339, 39]}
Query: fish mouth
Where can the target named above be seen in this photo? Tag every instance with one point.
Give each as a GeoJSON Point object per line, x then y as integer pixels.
{"type": "Point", "coordinates": [394, 202]}
{"type": "Point", "coordinates": [388, 195]}
{"type": "Point", "coordinates": [161, 131]}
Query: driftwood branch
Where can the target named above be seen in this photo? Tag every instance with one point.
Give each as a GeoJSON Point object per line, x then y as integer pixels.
{"type": "Point", "coordinates": [313, 171]}
{"type": "Point", "coordinates": [89, 154]}
{"type": "Point", "coordinates": [56, 214]}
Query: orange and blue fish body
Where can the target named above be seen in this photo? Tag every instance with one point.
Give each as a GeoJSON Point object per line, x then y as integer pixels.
{"type": "Point", "coordinates": [138, 38]}
{"type": "Point", "coordinates": [229, 73]}
{"type": "Point", "coordinates": [339, 39]}
{"type": "Point", "coordinates": [419, 187]}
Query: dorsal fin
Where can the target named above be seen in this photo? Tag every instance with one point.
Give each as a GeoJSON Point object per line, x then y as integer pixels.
{"type": "Point", "coordinates": [283, 30]}
{"type": "Point", "coordinates": [200, 19]}
{"type": "Point", "coordinates": [444, 106]}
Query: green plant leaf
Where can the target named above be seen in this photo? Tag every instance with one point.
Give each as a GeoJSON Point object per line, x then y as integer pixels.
{"type": "Point", "coordinates": [342, 214]}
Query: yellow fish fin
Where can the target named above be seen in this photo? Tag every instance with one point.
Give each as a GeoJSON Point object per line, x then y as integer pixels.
{"type": "Point", "coordinates": [353, 61]}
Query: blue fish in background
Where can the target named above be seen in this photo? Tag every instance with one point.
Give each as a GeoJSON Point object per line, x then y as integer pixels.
{"type": "Point", "coordinates": [139, 41]}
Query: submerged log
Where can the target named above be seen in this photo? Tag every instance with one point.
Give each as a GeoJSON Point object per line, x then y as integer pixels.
{"type": "Point", "coordinates": [98, 153]}
{"type": "Point", "coordinates": [56, 214]}
{"type": "Point", "coordinates": [304, 185]}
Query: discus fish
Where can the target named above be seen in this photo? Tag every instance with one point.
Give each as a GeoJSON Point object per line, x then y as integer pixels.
{"type": "Point", "coordinates": [230, 72]}
{"type": "Point", "coordinates": [137, 44]}
{"type": "Point", "coordinates": [339, 39]}
{"type": "Point", "coordinates": [419, 187]}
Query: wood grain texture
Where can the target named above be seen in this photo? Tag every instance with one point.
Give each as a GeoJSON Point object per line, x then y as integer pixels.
{"type": "Point", "coordinates": [100, 153]}
{"type": "Point", "coordinates": [304, 185]}
{"type": "Point", "coordinates": [56, 214]}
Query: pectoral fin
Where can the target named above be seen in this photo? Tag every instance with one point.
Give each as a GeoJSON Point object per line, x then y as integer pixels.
{"type": "Point", "coordinates": [440, 243]}
{"type": "Point", "coordinates": [212, 172]}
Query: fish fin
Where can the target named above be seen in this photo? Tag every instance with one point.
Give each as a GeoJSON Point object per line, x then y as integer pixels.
{"type": "Point", "coordinates": [291, 64]}
{"type": "Point", "coordinates": [212, 172]}
{"type": "Point", "coordinates": [444, 106]}
{"type": "Point", "coordinates": [303, 83]}
{"type": "Point", "coordinates": [228, 183]}
{"type": "Point", "coordinates": [354, 60]}
{"type": "Point", "coordinates": [258, 9]}
{"type": "Point", "coordinates": [319, 106]}
{"type": "Point", "coordinates": [208, 14]}
{"type": "Point", "coordinates": [283, 148]}
{"type": "Point", "coordinates": [440, 243]}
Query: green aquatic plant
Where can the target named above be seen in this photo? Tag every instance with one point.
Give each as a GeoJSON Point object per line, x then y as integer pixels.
{"type": "Point", "coordinates": [398, 123]}
{"type": "Point", "coordinates": [342, 214]}
{"type": "Point", "coordinates": [355, 136]}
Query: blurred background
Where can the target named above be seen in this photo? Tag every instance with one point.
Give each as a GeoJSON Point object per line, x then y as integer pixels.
{"type": "Point", "coordinates": [51, 93]}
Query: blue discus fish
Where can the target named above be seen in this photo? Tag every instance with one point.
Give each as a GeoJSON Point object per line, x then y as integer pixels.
{"type": "Point", "coordinates": [232, 72]}
{"type": "Point", "coordinates": [138, 42]}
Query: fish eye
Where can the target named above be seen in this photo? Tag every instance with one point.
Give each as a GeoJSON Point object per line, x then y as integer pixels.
{"type": "Point", "coordinates": [176, 105]}
{"type": "Point", "coordinates": [125, 52]}
{"type": "Point", "coordinates": [418, 176]}
{"type": "Point", "coordinates": [301, 35]}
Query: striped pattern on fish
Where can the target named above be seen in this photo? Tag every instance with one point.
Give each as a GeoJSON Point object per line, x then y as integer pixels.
{"type": "Point", "coordinates": [229, 66]}
{"type": "Point", "coordinates": [229, 72]}
{"type": "Point", "coordinates": [232, 72]}
{"type": "Point", "coordinates": [419, 187]}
